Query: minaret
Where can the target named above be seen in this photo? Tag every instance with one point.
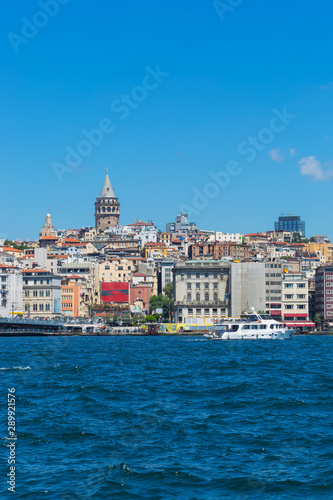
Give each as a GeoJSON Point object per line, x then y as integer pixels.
{"type": "Point", "coordinates": [106, 206]}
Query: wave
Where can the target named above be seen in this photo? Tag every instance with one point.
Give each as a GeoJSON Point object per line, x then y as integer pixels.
{"type": "Point", "coordinates": [16, 368]}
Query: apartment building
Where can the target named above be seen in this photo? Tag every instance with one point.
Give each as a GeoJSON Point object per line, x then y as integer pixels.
{"type": "Point", "coordinates": [41, 293]}
{"type": "Point", "coordinates": [295, 297]}
{"type": "Point", "coordinates": [11, 287]}
{"type": "Point", "coordinates": [201, 291]}
{"type": "Point", "coordinates": [324, 293]}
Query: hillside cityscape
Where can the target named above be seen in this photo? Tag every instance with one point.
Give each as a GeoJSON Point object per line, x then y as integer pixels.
{"type": "Point", "coordinates": [129, 274]}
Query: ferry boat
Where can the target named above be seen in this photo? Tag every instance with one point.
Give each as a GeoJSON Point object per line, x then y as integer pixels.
{"type": "Point", "coordinates": [251, 326]}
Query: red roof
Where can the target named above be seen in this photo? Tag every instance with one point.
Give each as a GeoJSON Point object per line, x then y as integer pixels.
{"type": "Point", "coordinates": [10, 249]}
{"type": "Point", "coordinates": [48, 238]}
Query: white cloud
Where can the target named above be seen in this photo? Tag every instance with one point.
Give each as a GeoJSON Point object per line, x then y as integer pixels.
{"type": "Point", "coordinates": [275, 155]}
{"type": "Point", "coordinates": [312, 167]}
{"type": "Point", "coordinates": [326, 87]}
{"type": "Point", "coordinates": [292, 151]}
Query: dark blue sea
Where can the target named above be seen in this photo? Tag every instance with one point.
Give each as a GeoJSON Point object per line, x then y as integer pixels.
{"type": "Point", "coordinates": [169, 418]}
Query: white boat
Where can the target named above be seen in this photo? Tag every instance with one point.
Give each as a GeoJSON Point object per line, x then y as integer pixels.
{"type": "Point", "coordinates": [251, 326]}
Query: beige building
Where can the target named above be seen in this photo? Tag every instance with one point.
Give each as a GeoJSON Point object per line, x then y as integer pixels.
{"type": "Point", "coordinates": [295, 297]}
{"type": "Point", "coordinates": [41, 293]}
{"type": "Point", "coordinates": [48, 228]}
{"type": "Point", "coordinates": [201, 288]}
{"type": "Point", "coordinates": [324, 250]}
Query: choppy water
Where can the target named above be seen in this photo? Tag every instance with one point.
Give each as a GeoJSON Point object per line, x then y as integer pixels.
{"type": "Point", "coordinates": [169, 418]}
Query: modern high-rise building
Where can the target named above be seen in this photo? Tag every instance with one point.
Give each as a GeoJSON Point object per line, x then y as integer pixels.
{"type": "Point", "coordinates": [292, 223]}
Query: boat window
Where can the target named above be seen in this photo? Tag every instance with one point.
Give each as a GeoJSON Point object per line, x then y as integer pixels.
{"type": "Point", "coordinates": [272, 327]}
{"type": "Point", "coordinates": [265, 316]}
{"type": "Point", "coordinates": [246, 327]}
{"type": "Point", "coordinates": [253, 327]}
{"type": "Point", "coordinates": [262, 327]}
{"type": "Point", "coordinates": [234, 328]}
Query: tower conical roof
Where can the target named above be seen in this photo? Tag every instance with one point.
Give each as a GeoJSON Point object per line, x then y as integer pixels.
{"type": "Point", "coordinates": [107, 190]}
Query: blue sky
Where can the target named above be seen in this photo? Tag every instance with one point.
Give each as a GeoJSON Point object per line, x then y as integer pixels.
{"type": "Point", "coordinates": [223, 75]}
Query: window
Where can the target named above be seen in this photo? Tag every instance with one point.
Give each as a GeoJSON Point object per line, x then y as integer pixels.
{"type": "Point", "coordinates": [41, 293]}
{"type": "Point", "coordinates": [288, 296]}
{"type": "Point", "coordinates": [48, 293]}
{"type": "Point", "coordinates": [26, 293]}
{"type": "Point", "coordinates": [197, 286]}
{"type": "Point", "coordinates": [197, 297]}
{"type": "Point", "coordinates": [206, 297]}
{"type": "Point", "coordinates": [189, 286]}
{"type": "Point", "coordinates": [289, 306]}
{"type": "Point", "coordinates": [289, 285]}
{"type": "Point", "coordinates": [188, 276]}
{"type": "Point", "coordinates": [34, 307]}
{"type": "Point", "coordinates": [206, 312]}
{"type": "Point", "coordinates": [107, 268]}
{"type": "Point", "coordinates": [197, 275]}
{"type": "Point", "coordinates": [198, 312]}
{"type": "Point", "coordinates": [215, 297]}
{"type": "Point", "coordinates": [190, 311]}
{"type": "Point", "coordinates": [41, 307]}
{"type": "Point", "coordinates": [35, 293]}
{"type": "Point", "coordinates": [189, 297]}
{"type": "Point", "coordinates": [214, 311]}
{"type": "Point", "coordinates": [206, 275]}
{"type": "Point", "coordinates": [206, 286]}
{"type": "Point", "coordinates": [215, 286]}
{"type": "Point", "coordinates": [301, 296]}
{"type": "Point", "coordinates": [300, 285]}
{"type": "Point", "coordinates": [301, 306]}
{"type": "Point", "coordinates": [47, 307]}
{"type": "Point", "coordinates": [215, 276]}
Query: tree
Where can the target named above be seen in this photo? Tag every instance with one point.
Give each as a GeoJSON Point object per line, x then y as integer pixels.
{"type": "Point", "coordinates": [151, 318]}
{"type": "Point", "coordinates": [313, 239]}
{"type": "Point", "coordinates": [318, 320]}
{"type": "Point", "coordinates": [168, 290]}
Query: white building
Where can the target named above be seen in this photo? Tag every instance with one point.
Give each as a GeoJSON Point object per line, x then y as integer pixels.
{"type": "Point", "coordinates": [201, 291]}
{"type": "Point", "coordinates": [295, 297]}
{"type": "Point", "coordinates": [247, 287]}
{"type": "Point", "coordinates": [11, 291]}
{"type": "Point", "coordinates": [227, 237]}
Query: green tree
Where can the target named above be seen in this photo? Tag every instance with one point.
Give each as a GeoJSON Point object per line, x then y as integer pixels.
{"type": "Point", "coordinates": [318, 320]}
{"type": "Point", "coordinates": [151, 318]}
{"type": "Point", "coordinates": [313, 239]}
{"type": "Point", "coordinates": [168, 290]}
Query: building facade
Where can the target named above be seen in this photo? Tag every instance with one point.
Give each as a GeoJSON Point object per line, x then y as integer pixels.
{"type": "Point", "coordinates": [41, 293]}
{"type": "Point", "coordinates": [324, 293]}
{"type": "Point", "coordinates": [247, 287]}
{"type": "Point", "coordinates": [11, 291]}
{"type": "Point", "coordinates": [107, 207]}
{"type": "Point", "coordinates": [291, 223]}
{"type": "Point", "coordinates": [201, 291]}
{"type": "Point", "coordinates": [295, 297]}
{"type": "Point", "coordinates": [273, 281]}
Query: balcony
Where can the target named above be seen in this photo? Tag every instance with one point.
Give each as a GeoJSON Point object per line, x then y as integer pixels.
{"type": "Point", "coordinates": [201, 303]}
